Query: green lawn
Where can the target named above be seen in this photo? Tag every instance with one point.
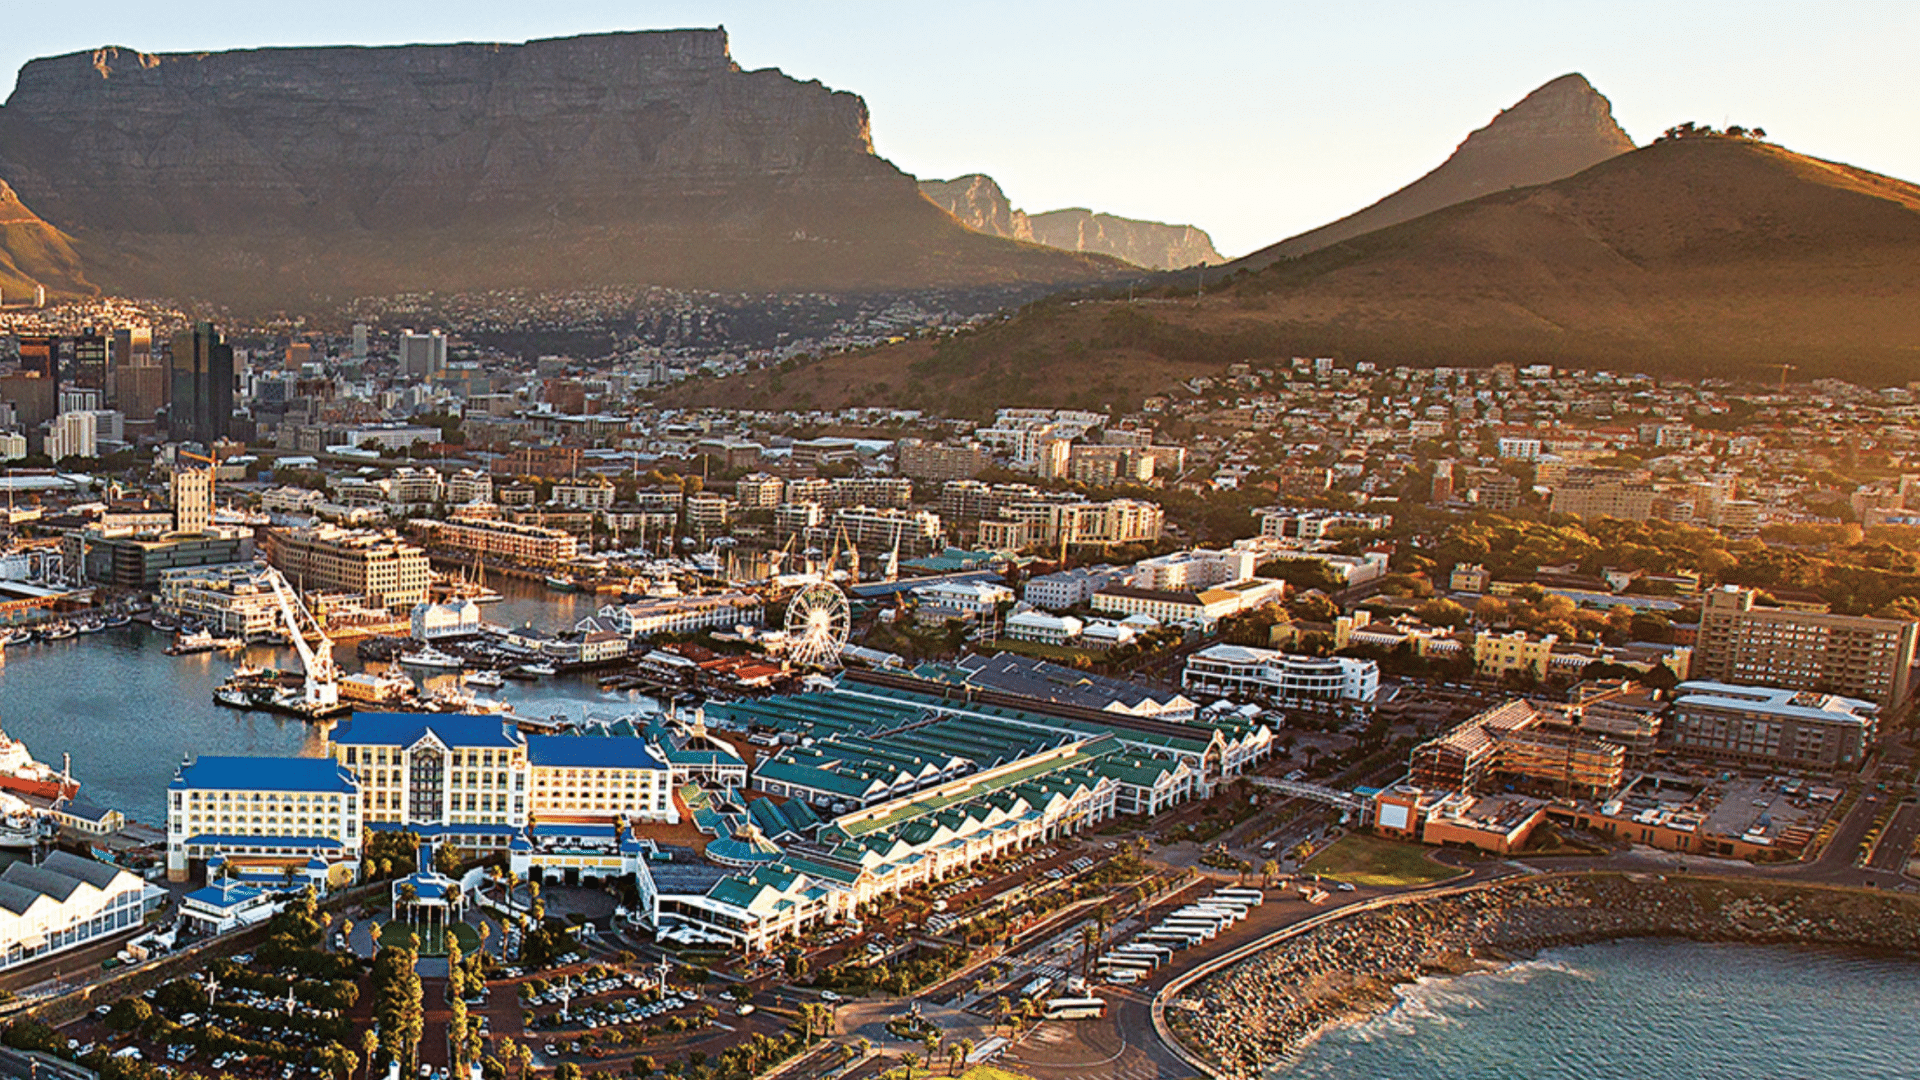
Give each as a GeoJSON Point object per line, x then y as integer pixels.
{"type": "Point", "coordinates": [1364, 859]}
{"type": "Point", "coordinates": [398, 934]}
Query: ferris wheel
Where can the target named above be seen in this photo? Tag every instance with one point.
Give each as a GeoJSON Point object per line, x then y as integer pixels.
{"type": "Point", "coordinates": [817, 624]}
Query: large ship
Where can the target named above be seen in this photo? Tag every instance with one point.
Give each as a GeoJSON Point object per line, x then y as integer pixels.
{"type": "Point", "coordinates": [21, 774]}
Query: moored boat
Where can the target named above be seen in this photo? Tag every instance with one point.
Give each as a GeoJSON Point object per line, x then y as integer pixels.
{"type": "Point", "coordinates": [492, 680]}
{"type": "Point", "coordinates": [430, 657]}
{"type": "Point", "coordinates": [21, 774]}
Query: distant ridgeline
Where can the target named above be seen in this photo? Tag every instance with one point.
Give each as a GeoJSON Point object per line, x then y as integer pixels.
{"type": "Point", "coordinates": [277, 177]}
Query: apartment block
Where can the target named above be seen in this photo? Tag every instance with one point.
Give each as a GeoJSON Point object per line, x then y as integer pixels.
{"type": "Point", "coordinates": [1742, 642]}
{"type": "Point", "coordinates": [387, 571]}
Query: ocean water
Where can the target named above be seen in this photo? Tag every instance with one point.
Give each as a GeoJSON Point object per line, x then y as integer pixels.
{"type": "Point", "coordinates": [127, 712]}
{"type": "Point", "coordinates": [1642, 1010]}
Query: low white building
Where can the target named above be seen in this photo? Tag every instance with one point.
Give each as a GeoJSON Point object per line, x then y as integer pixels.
{"type": "Point", "coordinates": [1045, 629]}
{"type": "Point", "coordinates": [1238, 671]}
{"type": "Point", "coordinates": [1070, 588]}
{"type": "Point", "coordinates": [66, 902]}
{"type": "Point", "coordinates": [678, 615]}
{"type": "Point", "coordinates": [970, 597]}
{"type": "Point", "coordinates": [454, 619]}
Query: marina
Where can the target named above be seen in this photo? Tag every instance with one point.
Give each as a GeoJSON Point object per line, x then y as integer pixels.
{"type": "Point", "coordinates": [127, 711]}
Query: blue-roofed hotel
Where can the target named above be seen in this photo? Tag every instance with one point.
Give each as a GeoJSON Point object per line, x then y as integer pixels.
{"type": "Point", "coordinates": [268, 813]}
{"type": "Point", "coordinates": [427, 772]}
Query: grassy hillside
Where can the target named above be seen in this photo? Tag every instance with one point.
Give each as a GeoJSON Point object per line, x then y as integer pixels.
{"type": "Point", "coordinates": [1691, 257]}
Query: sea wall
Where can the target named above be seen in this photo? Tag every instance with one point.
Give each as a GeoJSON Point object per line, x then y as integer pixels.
{"type": "Point", "coordinates": [1265, 1007]}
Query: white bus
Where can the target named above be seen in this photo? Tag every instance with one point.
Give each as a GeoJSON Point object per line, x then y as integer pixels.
{"type": "Point", "coordinates": [1111, 963]}
{"type": "Point", "coordinates": [1214, 917]}
{"type": "Point", "coordinates": [1147, 948]}
{"type": "Point", "coordinates": [1163, 937]}
{"type": "Point", "coordinates": [1205, 930]}
{"type": "Point", "coordinates": [1252, 896]}
{"type": "Point", "coordinates": [1076, 1008]}
{"type": "Point", "coordinates": [1037, 989]}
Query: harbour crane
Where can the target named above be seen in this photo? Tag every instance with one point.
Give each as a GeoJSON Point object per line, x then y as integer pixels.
{"type": "Point", "coordinates": [322, 688]}
{"type": "Point", "coordinates": [1784, 368]}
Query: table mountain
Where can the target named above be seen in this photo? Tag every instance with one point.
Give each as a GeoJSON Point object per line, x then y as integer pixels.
{"type": "Point", "coordinates": [1558, 130]}
{"type": "Point", "coordinates": [980, 205]}
{"type": "Point", "coordinates": [279, 176]}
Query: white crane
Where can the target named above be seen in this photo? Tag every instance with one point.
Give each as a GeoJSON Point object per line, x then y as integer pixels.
{"type": "Point", "coordinates": [322, 687]}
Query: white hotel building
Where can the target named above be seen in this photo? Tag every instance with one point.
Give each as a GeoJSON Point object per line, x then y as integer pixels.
{"type": "Point", "coordinates": [1249, 674]}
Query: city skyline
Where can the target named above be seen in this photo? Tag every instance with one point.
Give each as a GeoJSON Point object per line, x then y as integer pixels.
{"type": "Point", "coordinates": [1279, 128]}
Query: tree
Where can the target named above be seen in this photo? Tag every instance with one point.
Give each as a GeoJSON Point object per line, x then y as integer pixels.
{"type": "Point", "coordinates": [1313, 607]}
{"type": "Point", "coordinates": [1268, 871]}
{"type": "Point", "coordinates": [369, 1045]}
{"type": "Point", "coordinates": [567, 1071]}
{"type": "Point", "coordinates": [1442, 612]}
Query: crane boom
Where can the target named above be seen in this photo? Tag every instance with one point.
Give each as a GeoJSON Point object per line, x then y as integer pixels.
{"type": "Point", "coordinates": [322, 677]}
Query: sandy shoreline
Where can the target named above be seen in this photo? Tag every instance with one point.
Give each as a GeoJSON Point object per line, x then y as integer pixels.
{"type": "Point", "coordinates": [1268, 1007]}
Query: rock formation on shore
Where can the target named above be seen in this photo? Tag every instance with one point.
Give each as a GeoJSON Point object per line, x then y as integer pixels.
{"type": "Point", "coordinates": [980, 205]}
{"type": "Point", "coordinates": [1558, 130]}
{"type": "Point", "coordinates": [276, 176]}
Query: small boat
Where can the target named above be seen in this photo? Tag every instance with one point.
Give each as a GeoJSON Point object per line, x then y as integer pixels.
{"type": "Point", "coordinates": [164, 624]}
{"type": "Point", "coordinates": [119, 620]}
{"type": "Point", "coordinates": [492, 680]}
{"type": "Point", "coordinates": [20, 832]}
{"type": "Point", "coordinates": [559, 583]}
{"type": "Point", "coordinates": [539, 671]}
{"type": "Point", "coordinates": [233, 697]}
{"type": "Point", "coordinates": [430, 657]}
{"type": "Point", "coordinates": [188, 642]}
{"type": "Point", "coordinates": [92, 626]}
{"type": "Point", "coordinates": [59, 631]}
{"type": "Point", "coordinates": [20, 636]}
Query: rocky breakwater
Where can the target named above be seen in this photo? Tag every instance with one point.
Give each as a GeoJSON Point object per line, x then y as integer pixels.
{"type": "Point", "coordinates": [1261, 1010]}
{"type": "Point", "coordinates": [278, 175]}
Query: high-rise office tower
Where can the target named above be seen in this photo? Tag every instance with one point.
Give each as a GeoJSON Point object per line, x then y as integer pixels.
{"type": "Point", "coordinates": [422, 356]}
{"type": "Point", "coordinates": [129, 348]}
{"type": "Point", "coordinates": [90, 360]}
{"type": "Point", "coordinates": [359, 341]}
{"type": "Point", "coordinates": [41, 354]}
{"type": "Point", "coordinates": [201, 407]}
{"type": "Point", "coordinates": [34, 401]}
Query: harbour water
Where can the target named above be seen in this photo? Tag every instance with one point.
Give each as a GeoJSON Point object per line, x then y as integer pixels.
{"type": "Point", "coordinates": [127, 712]}
{"type": "Point", "coordinates": [1642, 1010]}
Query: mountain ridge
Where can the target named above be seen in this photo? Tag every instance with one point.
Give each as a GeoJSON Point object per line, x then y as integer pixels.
{"type": "Point", "coordinates": [274, 177]}
{"type": "Point", "coordinates": [977, 200]}
{"type": "Point", "coordinates": [1700, 256]}
{"type": "Point", "coordinates": [1562, 127]}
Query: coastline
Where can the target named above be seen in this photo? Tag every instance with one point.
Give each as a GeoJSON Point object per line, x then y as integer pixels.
{"type": "Point", "coordinates": [1265, 1008]}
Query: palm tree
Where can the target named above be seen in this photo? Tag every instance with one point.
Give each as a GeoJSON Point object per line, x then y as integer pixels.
{"type": "Point", "coordinates": [369, 1044]}
{"type": "Point", "coordinates": [955, 1056]}
{"type": "Point", "coordinates": [1089, 940]}
{"type": "Point", "coordinates": [1268, 871]}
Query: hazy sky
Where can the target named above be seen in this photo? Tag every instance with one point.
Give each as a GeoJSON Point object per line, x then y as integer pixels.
{"type": "Point", "coordinates": [1254, 121]}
